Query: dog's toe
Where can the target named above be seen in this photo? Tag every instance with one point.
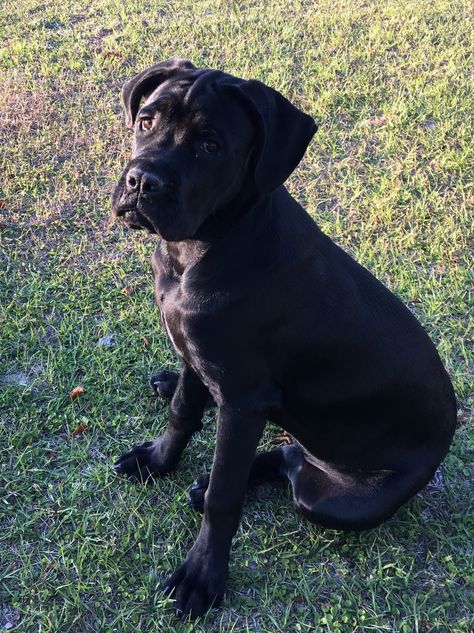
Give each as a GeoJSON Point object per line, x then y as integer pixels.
{"type": "Point", "coordinates": [195, 587]}
{"type": "Point", "coordinates": [139, 464]}
{"type": "Point", "coordinates": [164, 383]}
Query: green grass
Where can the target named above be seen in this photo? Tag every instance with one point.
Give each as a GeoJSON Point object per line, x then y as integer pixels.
{"type": "Point", "coordinates": [388, 176]}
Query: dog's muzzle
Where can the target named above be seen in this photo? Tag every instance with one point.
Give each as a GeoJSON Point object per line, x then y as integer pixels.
{"type": "Point", "coordinates": [139, 182]}
{"type": "Point", "coordinates": [135, 192]}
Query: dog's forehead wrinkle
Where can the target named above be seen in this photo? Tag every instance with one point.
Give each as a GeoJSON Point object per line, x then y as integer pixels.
{"type": "Point", "coordinates": [185, 104]}
{"type": "Point", "coordinates": [174, 114]}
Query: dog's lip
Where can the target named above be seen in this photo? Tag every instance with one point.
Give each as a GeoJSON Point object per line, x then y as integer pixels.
{"type": "Point", "coordinates": [135, 220]}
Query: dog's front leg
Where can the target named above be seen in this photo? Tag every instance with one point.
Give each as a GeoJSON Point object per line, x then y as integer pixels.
{"type": "Point", "coordinates": [159, 457]}
{"type": "Point", "coordinates": [200, 581]}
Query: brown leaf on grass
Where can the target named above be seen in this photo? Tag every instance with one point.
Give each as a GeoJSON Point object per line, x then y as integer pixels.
{"type": "Point", "coordinates": [49, 455]}
{"type": "Point", "coordinates": [128, 290]}
{"type": "Point", "coordinates": [76, 392]}
{"type": "Point", "coordinates": [80, 429]}
{"type": "Point", "coordinates": [2, 204]}
{"type": "Point", "coordinates": [112, 54]}
{"type": "Point", "coordinates": [146, 342]}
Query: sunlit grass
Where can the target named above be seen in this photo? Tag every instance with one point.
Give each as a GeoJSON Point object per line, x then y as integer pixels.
{"type": "Point", "coordinates": [389, 176]}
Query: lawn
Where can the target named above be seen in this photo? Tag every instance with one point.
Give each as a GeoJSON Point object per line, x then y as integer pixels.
{"type": "Point", "coordinates": [389, 176]}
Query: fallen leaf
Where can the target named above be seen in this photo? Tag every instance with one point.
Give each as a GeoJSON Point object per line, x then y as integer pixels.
{"type": "Point", "coordinates": [76, 392]}
{"type": "Point", "coordinates": [146, 342]}
{"type": "Point", "coordinates": [128, 290]}
{"type": "Point", "coordinates": [80, 429]}
{"type": "Point", "coordinates": [112, 54]}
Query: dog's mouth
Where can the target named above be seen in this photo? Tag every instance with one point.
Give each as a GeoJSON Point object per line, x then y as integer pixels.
{"type": "Point", "coordinates": [156, 214]}
{"type": "Point", "coordinates": [136, 220]}
{"type": "Point", "coordinates": [131, 211]}
{"type": "Point", "coordinates": [133, 218]}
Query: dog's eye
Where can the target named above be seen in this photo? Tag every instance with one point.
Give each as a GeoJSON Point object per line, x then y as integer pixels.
{"type": "Point", "coordinates": [210, 147]}
{"type": "Point", "coordinates": [146, 124]}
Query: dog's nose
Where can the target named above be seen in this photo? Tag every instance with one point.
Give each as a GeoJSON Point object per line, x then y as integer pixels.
{"type": "Point", "coordinates": [141, 181]}
{"type": "Point", "coordinates": [132, 180]}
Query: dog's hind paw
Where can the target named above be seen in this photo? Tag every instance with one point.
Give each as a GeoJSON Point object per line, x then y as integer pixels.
{"type": "Point", "coordinates": [197, 492]}
{"type": "Point", "coordinates": [164, 383]}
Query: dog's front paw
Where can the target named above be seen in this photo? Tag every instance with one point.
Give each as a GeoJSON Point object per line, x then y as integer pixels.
{"type": "Point", "coordinates": [142, 463]}
{"type": "Point", "coordinates": [197, 585]}
{"type": "Point", "coordinates": [164, 383]}
{"type": "Point", "coordinates": [197, 492]}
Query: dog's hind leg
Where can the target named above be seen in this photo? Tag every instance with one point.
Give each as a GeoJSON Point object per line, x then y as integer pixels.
{"type": "Point", "coordinates": [348, 500]}
{"type": "Point", "coordinates": [333, 499]}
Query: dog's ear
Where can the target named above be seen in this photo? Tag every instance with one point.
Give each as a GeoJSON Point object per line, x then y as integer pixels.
{"type": "Point", "coordinates": [145, 82]}
{"type": "Point", "coordinates": [283, 133]}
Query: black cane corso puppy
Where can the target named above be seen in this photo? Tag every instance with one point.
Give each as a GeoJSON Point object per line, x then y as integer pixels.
{"type": "Point", "coordinates": [272, 320]}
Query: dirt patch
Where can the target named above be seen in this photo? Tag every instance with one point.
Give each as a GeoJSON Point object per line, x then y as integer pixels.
{"type": "Point", "coordinates": [9, 617]}
{"type": "Point", "coordinates": [23, 110]}
{"type": "Point", "coordinates": [22, 378]}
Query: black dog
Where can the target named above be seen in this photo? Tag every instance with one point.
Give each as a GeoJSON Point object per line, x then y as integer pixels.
{"type": "Point", "coordinates": [271, 319]}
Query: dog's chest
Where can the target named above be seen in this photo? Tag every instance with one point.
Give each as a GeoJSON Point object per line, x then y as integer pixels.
{"type": "Point", "coordinates": [169, 300]}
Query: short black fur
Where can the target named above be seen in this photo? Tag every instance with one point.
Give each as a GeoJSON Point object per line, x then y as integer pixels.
{"type": "Point", "coordinates": [272, 321]}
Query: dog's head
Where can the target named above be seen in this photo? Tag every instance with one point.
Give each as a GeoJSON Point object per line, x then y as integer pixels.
{"type": "Point", "coordinates": [204, 140]}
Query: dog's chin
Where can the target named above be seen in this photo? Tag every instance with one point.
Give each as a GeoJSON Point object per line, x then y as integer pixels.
{"type": "Point", "coordinates": [138, 217]}
{"type": "Point", "coordinates": [138, 222]}
{"type": "Point", "coordinates": [167, 225]}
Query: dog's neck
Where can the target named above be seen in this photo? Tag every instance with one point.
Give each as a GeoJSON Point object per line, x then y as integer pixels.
{"type": "Point", "coordinates": [186, 253]}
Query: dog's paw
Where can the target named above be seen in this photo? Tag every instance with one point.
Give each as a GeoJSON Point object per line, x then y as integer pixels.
{"type": "Point", "coordinates": [164, 383]}
{"type": "Point", "coordinates": [197, 492]}
{"type": "Point", "coordinates": [141, 463]}
{"type": "Point", "coordinates": [196, 586]}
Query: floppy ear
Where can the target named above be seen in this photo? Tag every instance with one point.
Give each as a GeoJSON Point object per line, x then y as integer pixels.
{"type": "Point", "coordinates": [145, 82]}
{"type": "Point", "coordinates": [283, 133]}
